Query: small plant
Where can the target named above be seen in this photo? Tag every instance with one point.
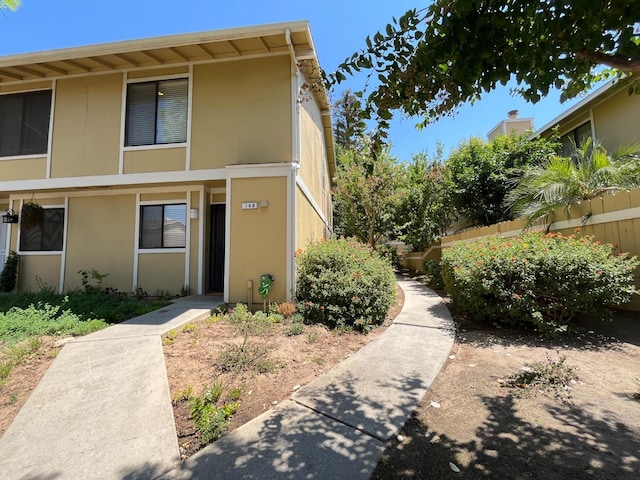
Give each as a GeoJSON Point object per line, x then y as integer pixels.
{"type": "Point", "coordinates": [211, 419]}
{"type": "Point", "coordinates": [276, 318]}
{"type": "Point", "coordinates": [35, 343]}
{"type": "Point", "coordinates": [170, 337]}
{"type": "Point", "coordinates": [31, 215]}
{"type": "Point", "coordinates": [312, 337]}
{"type": "Point", "coordinates": [182, 395]}
{"type": "Point", "coordinates": [13, 399]}
{"type": "Point", "coordinates": [433, 274]}
{"type": "Point", "coordinates": [9, 275]}
{"type": "Point", "coordinates": [213, 319]}
{"type": "Point", "coordinates": [294, 329]}
{"type": "Point", "coordinates": [190, 328]}
{"type": "Point", "coordinates": [248, 357]}
{"type": "Point", "coordinates": [221, 309]}
{"type": "Point", "coordinates": [297, 318]}
{"type": "Point", "coordinates": [88, 276]}
{"type": "Point", "coordinates": [286, 309]}
{"type": "Point", "coordinates": [212, 393]}
{"type": "Point", "coordinates": [5, 370]}
{"type": "Point", "coordinates": [185, 291]}
{"type": "Point", "coordinates": [550, 375]}
{"type": "Point", "coordinates": [235, 393]}
{"type": "Point", "coordinates": [318, 360]}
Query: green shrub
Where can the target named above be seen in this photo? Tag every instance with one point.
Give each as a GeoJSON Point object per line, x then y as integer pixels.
{"type": "Point", "coordinates": [9, 275]}
{"type": "Point", "coordinates": [294, 329]}
{"type": "Point", "coordinates": [433, 273]}
{"type": "Point", "coordinates": [544, 279]}
{"type": "Point", "coordinates": [344, 283]}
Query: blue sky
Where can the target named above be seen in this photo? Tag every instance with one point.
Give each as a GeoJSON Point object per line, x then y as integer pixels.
{"type": "Point", "coordinates": [339, 28]}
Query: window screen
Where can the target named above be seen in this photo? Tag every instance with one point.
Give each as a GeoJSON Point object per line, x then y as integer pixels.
{"type": "Point", "coordinates": [47, 237]}
{"type": "Point", "coordinates": [163, 226]}
{"type": "Point", "coordinates": [157, 112]}
{"type": "Point", "coordinates": [24, 123]}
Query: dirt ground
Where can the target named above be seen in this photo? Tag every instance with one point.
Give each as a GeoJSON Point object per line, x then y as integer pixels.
{"type": "Point", "coordinates": [23, 380]}
{"type": "Point", "coordinates": [191, 364]}
{"type": "Point", "coordinates": [469, 421]}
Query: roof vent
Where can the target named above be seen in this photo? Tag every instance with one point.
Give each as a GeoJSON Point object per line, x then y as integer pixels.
{"type": "Point", "coordinates": [512, 114]}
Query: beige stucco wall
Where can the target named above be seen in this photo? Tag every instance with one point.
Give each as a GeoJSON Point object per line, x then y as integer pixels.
{"type": "Point", "coordinates": [195, 242]}
{"type": "Point", "coordinates": [86, 133]}
{"type": "Point", "coordinates": [617, 120]}
{"type": "Point", "coordinates": [101, 236]}
{"type": "Point", "coordinates": [155, 160]}
{"type": "Point", "coordinates": [258, 237]}
{"type": "Point", "coordinates": [309, 226]}
{"type": "Point", "coordinates": [156, 72]}
{"type": "Point", "coordinates": [313, 167]}
{"type": "Point", "coordinates": [18, 87]}
{"type": "Point", "coordinates": [241, 112]}
{"type": "Point", "coordinates": [161, 271]}
{"type": "Point", "coordinates": [23, 169]}
{"type": "Point", "coordinates": [44, 267]}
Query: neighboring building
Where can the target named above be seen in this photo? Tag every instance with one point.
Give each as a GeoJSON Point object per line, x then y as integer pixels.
{"type": "Point", "coordinates": [610, 115]}
{"type": "Point", "coordinates": [200, 160]}
{"type": "Point", "coordinates": [511, 125]}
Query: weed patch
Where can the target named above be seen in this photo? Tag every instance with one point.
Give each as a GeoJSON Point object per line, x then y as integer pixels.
{"type": "Point", "coordinates": [211, 415]}
{"type": "Point", "coordinates": [548, 376]}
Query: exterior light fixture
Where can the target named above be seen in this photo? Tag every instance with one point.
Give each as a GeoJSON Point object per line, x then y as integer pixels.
{"type": "Point", "coordinates": [10, 216]}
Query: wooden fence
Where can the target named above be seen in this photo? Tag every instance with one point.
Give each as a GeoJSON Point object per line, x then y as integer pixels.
{"type": "Point", "coordinates": [612, 219]}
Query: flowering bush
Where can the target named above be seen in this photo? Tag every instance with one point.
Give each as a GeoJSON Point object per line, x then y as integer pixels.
{"type": "Point", "coordinates": [345, 284]}
{"type": "Point", "coordinates": [545, 279]}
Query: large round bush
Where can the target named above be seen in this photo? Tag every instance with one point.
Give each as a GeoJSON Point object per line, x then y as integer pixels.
{"type": "Point", "coordinates": [343, 283]}
{"type": "Point", "coordinates": [545, 279]}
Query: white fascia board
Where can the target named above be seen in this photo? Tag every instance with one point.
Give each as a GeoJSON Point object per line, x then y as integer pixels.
{"type": "Point", "coordinates": [128, 46]}
{"type": "Point", "coordinates": [114, 180]}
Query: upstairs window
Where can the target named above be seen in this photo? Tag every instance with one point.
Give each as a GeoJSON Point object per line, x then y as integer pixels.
{"type": "Point", "coordinates": [24, 123]}
{"type": "Point", "coordinates": [163, 226]}
{"type": "Point", "coordinates": [157, 112]}
{"type": "Point", "coordinates": [47, 236]}
{"type": "Point", "coordinates": [575, 139]}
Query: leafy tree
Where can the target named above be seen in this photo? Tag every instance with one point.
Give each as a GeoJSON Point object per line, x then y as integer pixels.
{"type": "Point", "coordinates": [425, 210]}
{"type": "Point", "coordinates": [348, 120]}
{"type": "Point", "coordinates": [430, 61]}
{"type": "Point", "coordinates": [10, 4]}
{"type": "Point", "coordinates": [560, 182]}
{"type": "Point", "coordinates": [366, 195]}
{"type": "Point", "coordinates": [481, 173]}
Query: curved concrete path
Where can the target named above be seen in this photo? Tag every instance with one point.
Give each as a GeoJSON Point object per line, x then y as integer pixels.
{"type": "Point", "coordinates": [336, 427]}
{"type": "Point", "coordinates": [103, 410]}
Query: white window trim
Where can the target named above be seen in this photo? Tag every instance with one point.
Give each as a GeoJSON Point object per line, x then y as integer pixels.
{"type": "Point", "coordinates": [46, 154]}
{"type": "Point", "coordinates": [156, 146]}
{"type": "Point", "coordinates": [65, 207]}
{"type": "Point", "coordinates": [184, 249]}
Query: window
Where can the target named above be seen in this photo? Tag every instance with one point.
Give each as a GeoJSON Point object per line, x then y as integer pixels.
{"type": "Point", "coordinates": [575, 139]}
{"type": "Point", "coordinates": [46, 237]}
{"type": "Point", "coordinates": [24, 123]}
{"type": "Point", "coordinates": [163, 226]}
{"type": "Point", "coordinates": [156, 112]}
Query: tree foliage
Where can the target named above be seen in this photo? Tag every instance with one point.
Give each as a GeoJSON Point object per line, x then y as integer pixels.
{"type": "Point", "coordinates": [10, 4]}
{"type": "Point", "coordinates": [425, 210]}
{"type": "Point", "coordinates": [348, 120]}
{"type": "Point", "coordinates": [559, 182]}
{"type": "Point", "coordinates": [430, 61]}
{"type": "Point", "coordinates": [366, 195]}
{"type": "Point", "coordinates": [481, 173]}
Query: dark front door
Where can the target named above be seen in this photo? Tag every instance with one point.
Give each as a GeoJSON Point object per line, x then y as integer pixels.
{"type": "Point", "coordinates": [216, 255]}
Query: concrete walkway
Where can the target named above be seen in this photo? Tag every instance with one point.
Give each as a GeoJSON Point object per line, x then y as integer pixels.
{"type": "Point", "coordinates": [103, 409]}
{"type": "Point", "coordinates": [336, 426]}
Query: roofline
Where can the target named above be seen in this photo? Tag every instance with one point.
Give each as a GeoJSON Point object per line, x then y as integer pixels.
{"type": "Point", "coordinates": [508, 120]}
{"type": "Point", "coordinates": [164, 41]}
{"type": "Point", "coordinates": [581, 104]}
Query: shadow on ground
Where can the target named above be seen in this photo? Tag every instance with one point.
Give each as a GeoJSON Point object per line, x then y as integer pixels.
{"type": "Point", "coordinates": [506, 447]}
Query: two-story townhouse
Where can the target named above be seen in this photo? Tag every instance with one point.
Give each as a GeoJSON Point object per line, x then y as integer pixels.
{"type": "Point", "coordinates": [201, 160]}
{"type": "Point", "coordinates": [610, 115]}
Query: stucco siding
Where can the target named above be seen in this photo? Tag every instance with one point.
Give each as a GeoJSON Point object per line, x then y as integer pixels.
{"type": "Point", "coordinates": [86, 126]}
{"type": "Point", "coordinates": [37, 271]}
{"type": "Point", "coordinates": [161, 271]}
{"type": "Point", "coordinates": [617, 121]}
{"type": "Point", "coordinates": [309, 226]}
{"type": "Point", "coordinates": [101, 235]}
{"type": "Point", "coordinates": [241, 113]}
{"type": "Point", "coordinates": [155, 160]}
{"type": "Point", "coordinates": [23, 169]}
{"type": "Point", "coordinates": [258, 237]}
